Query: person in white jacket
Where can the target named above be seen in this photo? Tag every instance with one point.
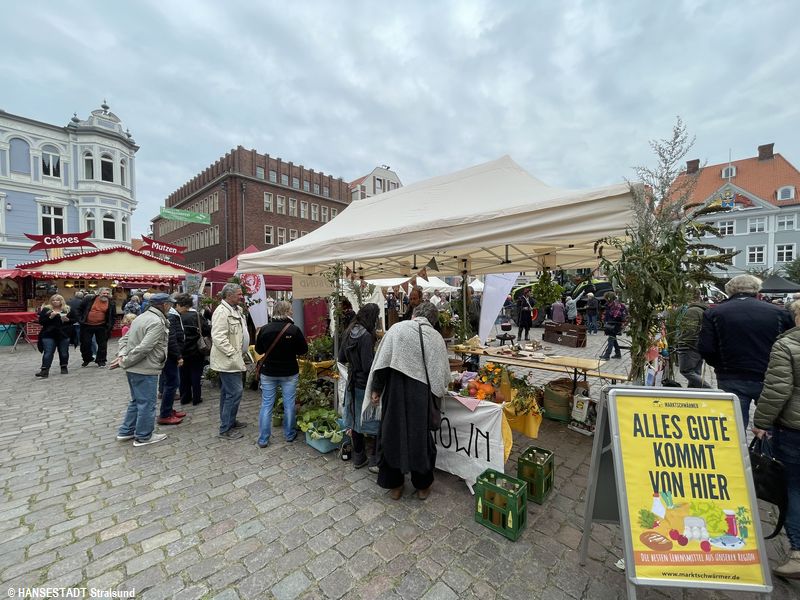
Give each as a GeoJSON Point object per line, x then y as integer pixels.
{"type": "Point", "coordinates": [142, 353]}
{"type": "Point", "coordinates": [229, 343]}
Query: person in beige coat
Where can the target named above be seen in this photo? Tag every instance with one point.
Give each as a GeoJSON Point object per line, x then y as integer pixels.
{"type": "Point", "coordinates": [229, 343]}
{"type": "Point", "coordinates": [778, 409]}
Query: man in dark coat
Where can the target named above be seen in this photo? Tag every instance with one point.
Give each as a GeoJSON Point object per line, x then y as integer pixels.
{"type": "Point", "coordinates": [737, 336]}
{"type": "Point", "coordinates": [170, 374]}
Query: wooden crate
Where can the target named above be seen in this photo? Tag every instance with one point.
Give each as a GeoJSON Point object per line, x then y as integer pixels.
{"type": "Point", "coordinates": [565, 334]}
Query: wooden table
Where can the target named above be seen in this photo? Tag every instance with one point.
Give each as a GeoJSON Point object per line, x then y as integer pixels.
{"type": "Point", "coordinates": [588, 367]}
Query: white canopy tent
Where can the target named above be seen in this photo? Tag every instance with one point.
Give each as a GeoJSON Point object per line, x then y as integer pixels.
{"type": "Point", "coordinates": [491, 218]}
{"type": "Point", "coordinates": [476, 285]}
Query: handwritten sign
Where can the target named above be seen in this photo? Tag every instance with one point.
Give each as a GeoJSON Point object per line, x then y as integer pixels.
{"type": "Point", "coordinates": [688, 507]}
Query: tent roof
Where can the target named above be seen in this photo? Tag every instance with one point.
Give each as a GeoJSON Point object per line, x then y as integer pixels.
{"type": "Point", "coordinates": [116, 262]}
{"type": "Point", "coordinates": [495, 216]}
{"type": "Point", "coordinates": [221, 273]}
{"type": "Point", "coordinates": [775, 284]}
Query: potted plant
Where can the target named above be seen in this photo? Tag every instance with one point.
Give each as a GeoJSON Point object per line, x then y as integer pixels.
{"type": "Point", "coordinates": [448, 323]}
{"type": "Point", "coordinates": [322, 429]}
{"type": "Point", "coordinates": [320, 348]}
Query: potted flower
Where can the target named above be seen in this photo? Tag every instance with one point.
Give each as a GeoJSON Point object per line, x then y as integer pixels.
{"type": "Point", "coordinates": [322, 429]}
{"type": "Point", "coordinates": [448, 323]}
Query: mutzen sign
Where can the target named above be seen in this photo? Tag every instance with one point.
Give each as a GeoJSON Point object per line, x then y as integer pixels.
{"type": "Point", "coordinates": [162, 247]}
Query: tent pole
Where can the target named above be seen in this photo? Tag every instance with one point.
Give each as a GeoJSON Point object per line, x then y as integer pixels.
{"type": "Point", "coordinates": [339, 270]}
{"type": "Point", "coordinates": [464, 300]}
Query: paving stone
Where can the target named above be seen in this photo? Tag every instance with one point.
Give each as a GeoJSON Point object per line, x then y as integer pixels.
{"type": "Point", "coordinates": [143, 561]}
{"type": "Point", "coordinates": [255, 584]}
{"type": "Point", "coordinates": [167, 589]}
{"type": "Point", "coordinates": [325, 563]}
{"type": "Point", "coordinates": [291, 586]}
{"type": "Point", "coordinates": [194, 592]}
{"type": "Point", "coordinates": [230, 574]}
{"type": "Point", "coordinates": [388, 546]}
{"type": "Point", "coordinates": [337, 584]}
{"type": "Point", "coordinates": [364, 562]}
{"type": "Point", "coordinates": [414, 584]}
{"type": "Point", "coordinates": [440, 591]}
{"type": "Point", "coordinates": [107, 581]}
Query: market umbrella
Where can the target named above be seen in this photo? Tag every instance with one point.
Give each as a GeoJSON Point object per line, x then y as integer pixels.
{"type": "Point", "coordinates": [775, 284]}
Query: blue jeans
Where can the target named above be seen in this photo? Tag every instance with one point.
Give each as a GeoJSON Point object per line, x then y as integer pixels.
{"type": "Point", "coordinates": [786, 448]}
{"type": "Point", "coordinates": [140, 417]}
{"type": "Point", "coordinates": [354, 421]}
{"type": "Point", "coordinates": [171, 378]}
{"type": "Point", "coordinates": [591, 323]}
{"type": "Point", "coordinates": [269, 390]}
{"type": "Point", "coordinates": [229, 398]}
{"type": "Point", "coordinates": [50, 345]}
{"type": "Point", "coordinates": [746, 391]}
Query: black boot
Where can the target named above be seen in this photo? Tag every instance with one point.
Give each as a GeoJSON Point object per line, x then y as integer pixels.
{"type": "Point", "coordinates": [43, 373]}
{"type": "Point", "coordinates": [64, 370]}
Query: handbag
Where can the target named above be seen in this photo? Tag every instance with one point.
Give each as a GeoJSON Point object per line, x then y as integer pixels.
{"type": "Point", "coordinates": [204, 341]}
{"type": "Point", "coordinates": [261, 360]}
{"type": "Point", "coordinates": [769, 481]}
{"type": "Point", "coordinates": [434, 408]}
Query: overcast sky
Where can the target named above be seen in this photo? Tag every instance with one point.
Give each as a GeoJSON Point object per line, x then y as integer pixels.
{"type": "Point", "coordinates": [572, 91]}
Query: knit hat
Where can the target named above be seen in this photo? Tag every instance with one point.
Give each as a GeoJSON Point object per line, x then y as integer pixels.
{"type": "Point", "coordinates": [157, 299]}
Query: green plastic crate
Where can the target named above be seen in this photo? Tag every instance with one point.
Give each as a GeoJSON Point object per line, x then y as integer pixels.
{"type": "Point", "coordinates": [537, 468]}
{"type": "Point", "coordinates": [501, 503]}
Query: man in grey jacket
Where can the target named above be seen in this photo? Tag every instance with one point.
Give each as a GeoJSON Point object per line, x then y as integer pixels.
{"type": "Point", "coordinates": [142, 353]}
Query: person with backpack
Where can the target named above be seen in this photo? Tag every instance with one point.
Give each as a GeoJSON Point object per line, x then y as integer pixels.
{"type": "Point", "coordinates": [615, 316]}
{"type": "Point", "coordinates": [690, 363]}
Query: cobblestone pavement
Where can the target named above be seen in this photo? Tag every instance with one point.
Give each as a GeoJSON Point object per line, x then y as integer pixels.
{"type": "Point", "coordinates": [200, 517]}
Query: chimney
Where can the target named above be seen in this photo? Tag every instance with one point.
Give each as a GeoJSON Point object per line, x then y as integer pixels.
{"type": "Point", "coordinates": [765, 151]}
{"type": "Point", "coordinates": [692, 166]}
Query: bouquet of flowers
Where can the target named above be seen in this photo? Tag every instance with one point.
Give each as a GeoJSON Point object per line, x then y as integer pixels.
{"type": "Point", "coordinates": [490, 373]}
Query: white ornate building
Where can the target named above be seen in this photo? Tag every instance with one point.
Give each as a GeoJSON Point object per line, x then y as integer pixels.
{"type": "Point", "coordinates": [65, 179]}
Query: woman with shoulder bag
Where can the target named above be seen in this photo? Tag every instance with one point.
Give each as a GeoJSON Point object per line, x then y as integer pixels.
{"type": "Point", "coordinates": [195, 327]}
{"type": "Point", "coordinates": [280, 342]}
{"type": "Point", "coordinates": [56, 319]}
{"type": "Point", "coordinates": [778, 410]}
{"type": "Point", "coordinates": [410, 375]}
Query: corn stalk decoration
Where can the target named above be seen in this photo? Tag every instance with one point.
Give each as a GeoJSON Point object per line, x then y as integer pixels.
{"type": "Point", "coordinates": [663, 258]}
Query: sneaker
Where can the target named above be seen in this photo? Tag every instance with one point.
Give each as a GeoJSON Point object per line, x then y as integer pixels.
{"type": "Point", "coordinates": [374, 469]}
{"type": "Point", "coordinates": [791, 568]}
{"type": "Point", "coordinates": [86, 363]}
{"type": "Point", "coordinates": [618, 356]}
{"type": "Point", "coordinates": [178, 413]}
{"type": "Point", "coordinates": [264, 445]}
{"type": "Point", "coordinates": [231, 434]}
{"type": "Point", "coordinates": [239, 425]}
{"type": "Point", "coordinates": [64, 371]}
{"type": "Point", "coordinates": [124, 438]}
{"type": "Point", "coordinates": [153, 439]}
{"type": "Point", "coordinates": [171, 420]}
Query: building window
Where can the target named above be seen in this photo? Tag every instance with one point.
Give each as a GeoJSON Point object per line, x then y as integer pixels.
{"type": "Point", "coordinates": [755, 255]}
{"type": "Point", "coordinates": [52, 219]}
{"type": "Point", "coordinates": [784, 253]}
{"type": "Point", "coordinates": [280, 205]}
{"type": "Point", "coordinates": [123, 167]}
{"type": "Point", "coordinates": [315, 212]}
{"type": "Point", "coordinates": [51, 162]}
{"type": "Point", "coordinates": [292, 235]}
{"type": "Point", "coordinates": [124, 231]}
{"type": "Point", "coordinates": [757, 225]}
{"type": "Point", "coordinates": [273, 176]}
{"type": "Point", "coordinates": [725, 227]}
{"type": "Point", "coordinates": [302, 233]}
{"type": "Point", "coordinates": [20, 156]}
{"type": "Point", "coordinates": [284, 179]}
{"type": "Point", "coordinates": [303, 209]}
{"type": "Point", "coordinates": [216, 262]}
{"type": "Point", "coordinates": [268, 234]}
{"type": "Point", "coordinates": [378, 185]}
{"type": "Point", "coordinates": [260, 172]}
{"type": "Point", "coordinates": [786, 193]}
{"type": "Point", "coordinates": [267, 202]}
{"type": "Point", "coordinates": [90, 224]}
{"type": "Point", "coordinates": [730, 252]}
{"type": "Point", "coordinates": [786, 223]}
{"type": "Point", "coordinates": [106, 168]}
{"type": "Point", "coordinates": [334, 212]}
{"type": "Point", "coordinates": [306, 186]}
{"type": "Point", "coordinates": [316, 189]}
{"type": "Point", "coordinates": [325, 214]}
{"type": "Point", "coordinates": [281, 235]}
{"type": "Point", "coordinates": [700, 251]}
{"type": "Point", "coordinates": [325, 191]}
{"type": "Point", "coordinates": [109, 227]}
{"type": "Point", "coordinates": [728, 172]}
{"type": "Point", "coordinates": [292, 207]}
{"type": "Point", "coordinates": [295, 183]}
{"type": "Point", "coordinates": [88, 166]}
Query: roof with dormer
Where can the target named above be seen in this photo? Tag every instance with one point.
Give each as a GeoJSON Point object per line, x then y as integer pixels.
{"type": "Point", "coordinates": [760, 177]}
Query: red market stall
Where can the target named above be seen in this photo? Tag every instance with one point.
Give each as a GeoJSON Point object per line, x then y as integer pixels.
{"type": "Point", "coordinates": [222, 273]}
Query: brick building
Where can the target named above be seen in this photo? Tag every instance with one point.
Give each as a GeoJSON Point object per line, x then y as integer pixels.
{"type": "Point", "coordinates": [252, 199]}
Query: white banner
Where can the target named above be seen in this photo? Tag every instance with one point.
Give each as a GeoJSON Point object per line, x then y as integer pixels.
{"type": "Point", "coordinates": [310, 286]}
{"type": "Point", "coordinates": [470, 442]}
{"type": "Point", "coordinates": [495, 291]}
{"type": "Point", "coordinates": [258, 291]}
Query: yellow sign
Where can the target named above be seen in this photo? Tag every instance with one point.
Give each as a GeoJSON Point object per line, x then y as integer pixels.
{"type": "Point", "coordinates": [691, 512]}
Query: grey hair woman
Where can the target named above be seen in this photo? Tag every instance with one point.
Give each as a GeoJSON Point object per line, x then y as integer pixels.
{"type": "Point", "coordinates": [410, 364]}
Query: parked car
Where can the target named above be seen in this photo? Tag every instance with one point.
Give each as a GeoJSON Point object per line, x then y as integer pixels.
{"type": "Point", "coordinates": [598, 287]}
